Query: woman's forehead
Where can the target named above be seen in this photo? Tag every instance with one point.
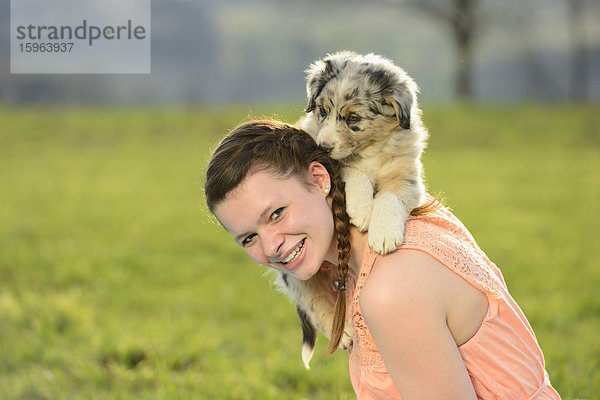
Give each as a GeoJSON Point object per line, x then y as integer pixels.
{"type": "Point", "coordinates": [258, 180]}
{"type": "Point", "coordinates": [259, 187]}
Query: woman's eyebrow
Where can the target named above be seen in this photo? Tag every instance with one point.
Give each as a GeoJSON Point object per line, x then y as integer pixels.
{"type": "Point", "coordinates": [240, 237]}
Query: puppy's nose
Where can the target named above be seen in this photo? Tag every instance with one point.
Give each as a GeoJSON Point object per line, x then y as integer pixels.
{"type": "Point", "coordinates": [326, 145]}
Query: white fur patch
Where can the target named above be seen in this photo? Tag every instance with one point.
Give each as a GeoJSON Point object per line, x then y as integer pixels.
{"type": "Point", "coordinates": [359, 197]}
{"type": "Point", "coordinates": [307, 353]}
{"type": "Point", "coordinates": [386, 230]}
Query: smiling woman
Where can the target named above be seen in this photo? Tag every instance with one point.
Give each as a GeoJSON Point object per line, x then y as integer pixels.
{"type": "Point", "coordinates": [431, 320]}
{"type": "Point", "coordinates": [271, 163]}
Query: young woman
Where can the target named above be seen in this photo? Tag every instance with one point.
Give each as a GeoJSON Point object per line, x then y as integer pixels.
{"type": "Point", "coordinates": [432, 320]}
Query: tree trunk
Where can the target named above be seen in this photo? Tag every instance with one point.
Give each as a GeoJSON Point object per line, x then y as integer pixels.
{"type": "Point", "coordinates": [579, 73]}
{"type": "Point", "coordinates": [464, 30]}
{"type": "Point", "coordinates": [464, 66]}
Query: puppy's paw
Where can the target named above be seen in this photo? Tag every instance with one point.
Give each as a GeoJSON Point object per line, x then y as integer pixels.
{"type": "Point", "coordinates": [359, 197]}
{"type": "Point", "coordinates": [346, 340]}
{"type": "Point", "coordinates": [359, 212]}
{"type": "Point", "coordinates": [386, 238]}
{"type": "Point", "coordinates": [386, 229]}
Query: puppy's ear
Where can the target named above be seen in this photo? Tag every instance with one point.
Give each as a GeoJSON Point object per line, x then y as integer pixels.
{"type": "Point", "coordinates": [317, 76]}
{"type": "Point", "coordinates": [397, 92]}
{"type": "Point", "coordinates": [311, 104]}
{"type": "Point", "coordinates": [402, 101]}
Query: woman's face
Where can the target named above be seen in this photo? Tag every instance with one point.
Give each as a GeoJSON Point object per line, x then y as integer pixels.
{"type": "Point", "coordinates": [282, 223]}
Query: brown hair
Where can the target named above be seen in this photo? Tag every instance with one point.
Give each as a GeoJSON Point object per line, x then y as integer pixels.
{"type": "Point", "coordinates": [288, 151]}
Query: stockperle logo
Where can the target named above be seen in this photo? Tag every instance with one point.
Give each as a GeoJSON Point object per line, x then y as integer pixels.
{"type": "Point", "coordinates": [80, 36]}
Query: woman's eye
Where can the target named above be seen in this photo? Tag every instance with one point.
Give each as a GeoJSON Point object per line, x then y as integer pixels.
{"type": "Point", "coordinates": [277, 213]}
{"type": "Point", "coordinates": [352, 118]}
{"type": "Point", "coordinates": [322, 112]}
{"type": "Point", "coordinates": [248, 239]}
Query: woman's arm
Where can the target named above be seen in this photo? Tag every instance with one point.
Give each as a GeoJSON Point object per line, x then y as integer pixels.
{"type": "Point", "coordinates": [405, 303]}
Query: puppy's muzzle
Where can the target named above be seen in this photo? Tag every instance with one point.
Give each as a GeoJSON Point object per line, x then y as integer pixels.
{"type": "Point", "coordinates": [325, 146]}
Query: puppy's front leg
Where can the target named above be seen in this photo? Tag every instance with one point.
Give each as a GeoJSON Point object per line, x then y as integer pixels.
{"type": "Point", "coordinates": [359, 197]}
{"type": "Point", "coordinates": [317, 298]}
{"type": "Point", "coordinates": [386, 230]}
{"type": "Point", "coordinates": [314, 300]}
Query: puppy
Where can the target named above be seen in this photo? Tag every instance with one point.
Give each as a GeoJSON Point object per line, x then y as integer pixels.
{"type": "Point", "coordinates": [364, 110]}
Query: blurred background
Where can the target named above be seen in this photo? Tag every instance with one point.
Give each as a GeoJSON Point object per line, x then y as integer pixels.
{"type": "Point", "coordinates": [213, 51]}
{"type": "Point", "coordinates": [115, 283]}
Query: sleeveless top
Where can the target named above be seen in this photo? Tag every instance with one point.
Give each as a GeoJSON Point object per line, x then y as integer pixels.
{"type": "Point", "coordinates": [503, 358]}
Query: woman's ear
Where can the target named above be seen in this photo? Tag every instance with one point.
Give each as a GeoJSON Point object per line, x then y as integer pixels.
{"type": "Point", "coordinates": [318, 174]}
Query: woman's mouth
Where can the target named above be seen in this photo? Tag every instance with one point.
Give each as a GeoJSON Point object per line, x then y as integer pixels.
{"type": "Point", "coordinates": [294, 254]}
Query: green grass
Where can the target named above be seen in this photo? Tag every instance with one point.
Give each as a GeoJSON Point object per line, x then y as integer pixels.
{"type": "Point", "coordinates": [114, 283]}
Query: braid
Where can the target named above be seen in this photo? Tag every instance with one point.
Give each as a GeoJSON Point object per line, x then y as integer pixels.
{"type": "Point", "coordinates": [341, 223]}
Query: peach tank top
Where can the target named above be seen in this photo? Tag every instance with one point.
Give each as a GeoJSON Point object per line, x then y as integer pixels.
{"type": "Point", "coordinates": [503, 358]}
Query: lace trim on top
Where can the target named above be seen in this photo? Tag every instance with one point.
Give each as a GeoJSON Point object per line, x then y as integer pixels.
{"type": "Point", "coordinates": [445, 238]}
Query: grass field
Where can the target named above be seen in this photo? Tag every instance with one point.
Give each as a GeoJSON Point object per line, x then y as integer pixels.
{"type": "Point", "coordinates": [114, 283]}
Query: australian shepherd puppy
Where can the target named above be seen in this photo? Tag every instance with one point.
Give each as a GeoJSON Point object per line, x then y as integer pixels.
{"type": "Point", "coordinates": [364, 110]}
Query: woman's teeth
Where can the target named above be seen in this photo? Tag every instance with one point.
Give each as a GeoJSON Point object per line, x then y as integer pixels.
{"type": "Point", "coordinates": [294, 254]}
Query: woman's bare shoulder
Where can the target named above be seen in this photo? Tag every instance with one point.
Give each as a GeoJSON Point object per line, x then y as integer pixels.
{"type": "Point", "coordinates": [406, 277]}
{"type": "Point", "coordinates": [412, 284]}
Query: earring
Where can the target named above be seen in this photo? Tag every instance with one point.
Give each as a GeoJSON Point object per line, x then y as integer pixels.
{"type": "Point", "coordinates": [326, 190]}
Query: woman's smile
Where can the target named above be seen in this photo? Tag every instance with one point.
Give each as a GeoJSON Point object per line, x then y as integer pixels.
{"type": "Point", "coordinates": [295, 257]}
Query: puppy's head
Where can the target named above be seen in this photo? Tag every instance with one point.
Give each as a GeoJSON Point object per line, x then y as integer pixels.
{"type": "Point", "coordinates": [358, 101]}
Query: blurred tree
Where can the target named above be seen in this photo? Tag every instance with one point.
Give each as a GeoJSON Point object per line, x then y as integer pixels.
{"type": "Point", "coordinates": [579, 59]}
{"type": "Point", "coordinates": [462, 19]}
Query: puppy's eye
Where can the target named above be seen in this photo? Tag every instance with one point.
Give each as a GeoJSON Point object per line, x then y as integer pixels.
{"type": "Point", "coordinates": [352, 118]}
{"type": "Point", "coordinates": [322, 112]}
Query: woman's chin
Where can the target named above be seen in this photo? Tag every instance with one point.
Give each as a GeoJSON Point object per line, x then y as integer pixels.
{"type": "Point", "coordinates": [304, 272]}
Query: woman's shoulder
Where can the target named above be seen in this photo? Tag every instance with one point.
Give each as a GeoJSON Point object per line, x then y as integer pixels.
{"type": "Point", "coordinates": [414, 286]}
{"type": "Point", "coordinates": [405, 279]}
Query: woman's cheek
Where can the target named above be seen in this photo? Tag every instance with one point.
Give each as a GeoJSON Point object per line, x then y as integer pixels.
{"type": "Point", "coordinates": [257, 255]}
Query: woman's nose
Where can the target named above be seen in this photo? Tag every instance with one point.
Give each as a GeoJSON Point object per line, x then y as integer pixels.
{"type": "Point", "coordinates": [272, 241]}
